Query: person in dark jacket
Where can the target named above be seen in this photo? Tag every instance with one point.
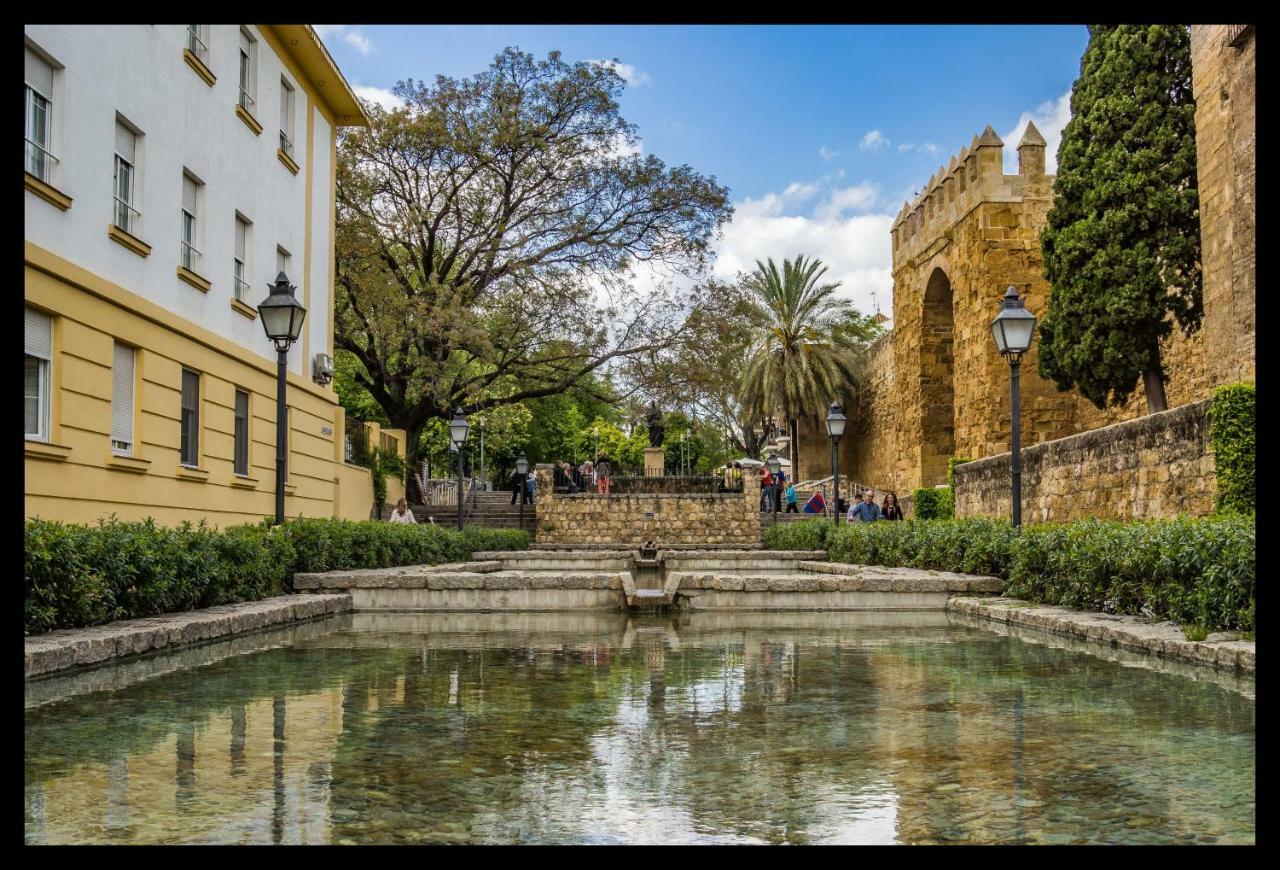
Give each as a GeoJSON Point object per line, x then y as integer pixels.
{"type": "Point", "coordinates": [519, 488]}
{"type": "Point", "coordinates": [890, 510]}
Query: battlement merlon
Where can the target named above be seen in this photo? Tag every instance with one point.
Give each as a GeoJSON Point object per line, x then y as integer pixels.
{"type": "Point", "coordinates": [1031, 152]}
{"type": "Point", "coordinates": [982, 158]}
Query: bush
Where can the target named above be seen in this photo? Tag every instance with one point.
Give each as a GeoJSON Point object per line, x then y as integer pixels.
{"type": "Point", "coordinates": [968, 546]}
{"type": "Point", "coordinates": [935, 503]}
{"type": "Point", "coordinates": [1233, 437]}
{"type": "Point", "coordinates": [951, 470]}
{"type": "Point", "coordinates": [86, 575]}
{"type": "Point", "coordinates": [804, 535]}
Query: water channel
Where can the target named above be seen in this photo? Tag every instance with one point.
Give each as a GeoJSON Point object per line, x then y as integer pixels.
{"type": "Point", "coordinates": [600, 728]}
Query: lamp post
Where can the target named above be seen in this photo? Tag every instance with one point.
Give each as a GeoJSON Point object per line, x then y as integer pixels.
{"type": "Point", "coordinates": [458, 427]}
{"type": "Point", "coordinates": [1012, 329]}
{"type": "Point", "coordinates": [596, 456]}
{"type": "Point", "coordinates": [774, 464]}
{"type": "Point", "coordinates": [282, 315]}
{"type": "Point", "coordinates": [835, 428]}
{"type": "Point", "coordinates": [522, 468]}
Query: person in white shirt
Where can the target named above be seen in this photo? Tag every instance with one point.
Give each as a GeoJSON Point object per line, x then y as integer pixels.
{"type": "Point", "coordinates": [402, 514]}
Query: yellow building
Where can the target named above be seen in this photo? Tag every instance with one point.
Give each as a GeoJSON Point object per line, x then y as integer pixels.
{"type": "Point", "coordinates": [171, 172]}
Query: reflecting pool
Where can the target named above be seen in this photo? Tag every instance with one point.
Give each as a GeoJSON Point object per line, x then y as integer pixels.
{"type": "Point", "coordinates": [582, 728]}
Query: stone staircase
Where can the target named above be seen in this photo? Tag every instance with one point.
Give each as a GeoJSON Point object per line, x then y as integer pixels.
{"type": "Point", "coordinates": [492, 510]}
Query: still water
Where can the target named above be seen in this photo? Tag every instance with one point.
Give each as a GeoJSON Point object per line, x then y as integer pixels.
{"type": "Point", "coordinates": [578, 728]}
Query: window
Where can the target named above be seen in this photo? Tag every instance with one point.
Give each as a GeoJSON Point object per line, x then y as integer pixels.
{"type": "Point", "coordinates": [122, 400]}
{"type": "Point", "coordinates": [283, 260]}
{"type": "Point", "coordinates": [126, 216]}
{"type": "Point", "coordinates": [39, 113]}
{"type": "Point", "coordinates": [189, 450]}
{"type": "Point", "coordinates": [248, 73]}
{"type": "Point", "coordinates": [189, 255]}
{"type": "Point", "coordinates": [198, 42]}
{"type": "Point", "coordinates": [242, 245]}
{"type": "Point", "coordinates": [286, 118]}
{"type": "Point", "coordinates": [39, 357]}
{"type": "Point", "coordinates": [242, 433]}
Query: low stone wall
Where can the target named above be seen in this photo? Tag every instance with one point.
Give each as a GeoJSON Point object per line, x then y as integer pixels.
{"type": "Point", "coordinates": [1157, 466]}
{"type": "Point", "coordinates": [635, 518]}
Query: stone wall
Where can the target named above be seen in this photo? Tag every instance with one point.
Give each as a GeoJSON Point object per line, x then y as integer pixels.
{"type": "Point", "coordinates": [1224, 80]}
{"type": "Point", "coordinates": [1157, 466]}
{"type": "Point", "coordinates": [635, 518]}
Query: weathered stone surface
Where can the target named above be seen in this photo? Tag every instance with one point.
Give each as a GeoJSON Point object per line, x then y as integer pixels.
{"type": "Point", "coordinates": [506, 581]}
{"type": "Point", "coordinates": [755, 584]}
{"type": "Point", "coordinates": [1130, 632]}
{"type": "Point", "coordinates": [455, 581]}
{"type": "Point", "coordinates": [59, 650]}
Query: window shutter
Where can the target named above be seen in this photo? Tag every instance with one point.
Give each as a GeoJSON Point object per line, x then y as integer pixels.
{"type": "Point", "coordinates": [284, 107]}
{"type": "Point", "coordinates": [39, 74]}
{"type": "Point", "coordinates": [39, 334]}
{"type": "Point", "coordinates": [122, 395]}
{"type": "Point", "coordinates": [125, 142]}
{"type": "Point", "coordinates": [241, 232]}
{"type": "Point", "coordinates": [188, 195]}
{"type": "Point", "coordinates": [245, 45]}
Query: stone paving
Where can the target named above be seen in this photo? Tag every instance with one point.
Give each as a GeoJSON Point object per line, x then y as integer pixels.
{"type": "Point", "coordinates": [1164, 639]}
{"type": "Point", "coordinates": [72, 648]}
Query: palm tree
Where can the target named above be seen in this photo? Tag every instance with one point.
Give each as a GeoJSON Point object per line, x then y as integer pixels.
{"type": "Point", "coordinates": [805, 342]}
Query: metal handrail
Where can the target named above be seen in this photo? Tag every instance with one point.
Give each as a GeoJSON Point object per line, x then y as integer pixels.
{"type": "Point", "coordinates": [286, 144]}
{"type": "Point", "coordinates": [40, 160]}
{"type": "Point", "coordinates": [188, 254]}
{"type": "Point", "coordinates": [126, 216]}
{"type": "Point", "coordinates": [196, 45]}
{"type": "Point", "coordinates": [246, 102]}
{"type": "Point", "coordinates": [242, 288]}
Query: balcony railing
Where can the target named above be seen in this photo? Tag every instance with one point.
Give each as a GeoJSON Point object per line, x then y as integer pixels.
{"type": "Point", "coordinates": [242, 289]}
{"type": "Point", "coordinates": [196, 44]}
{"type": "Point", "coordinates": [127, 217]}
{"type": "Point", "coordinates": [246, 101]}
{"type": "Point", "coordinates": [189, 256]}
{"type": "Point", "coordinates": [286, 144]}
{"type": "Point", "coordinates": [39, 162]}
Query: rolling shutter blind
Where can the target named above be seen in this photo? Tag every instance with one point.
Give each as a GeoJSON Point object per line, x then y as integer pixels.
{"type": "Point", "coordinates": [240, 239]}
{"type": "Point", "coordinates": [39, 334]}
{"type": "Point", "coordinates": [39, 74]}
{"type": "Point", "coordinates": [245, 45]}
{"type": "Point", "coordinates": [125, 140]}
{"type": "Point", "coordinates": [188, 195]}
{"type": "Point", "coordinates": [122, 395]}
{"type": "Point", "coordinates": [285, 105]}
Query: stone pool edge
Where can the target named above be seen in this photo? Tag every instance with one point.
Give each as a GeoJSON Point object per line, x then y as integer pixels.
{"type": "Point", "coordinates": [1162, 639]}
{"type": "Point", "coordinates": [69, 648]}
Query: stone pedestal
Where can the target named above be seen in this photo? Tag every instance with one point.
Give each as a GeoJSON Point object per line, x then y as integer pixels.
{"type": "Point", "coordinates": [654, 462]}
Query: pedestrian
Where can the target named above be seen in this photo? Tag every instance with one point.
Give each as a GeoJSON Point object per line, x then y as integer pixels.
{"type": "Point", "coordinates": [779, 481]}
{"type": "Point", "coordinates": [588, 471]}
{"type": "Point", "coordinates": [890, 510]}
{"type": "Point", "coordinates": [402, 514]}
{"type": "Point", "coordinates": [865, 511]}
{"type": "Point", "coordinates": [791, 499]}
{"type": "Point", "coordinates": [516, 482]}
{"type": "Point", "coordinates": [603, 473]}
{"type": "Point", "coordinates": [531, 488]}
{"type": "Point", "coordinates": [766, 485]}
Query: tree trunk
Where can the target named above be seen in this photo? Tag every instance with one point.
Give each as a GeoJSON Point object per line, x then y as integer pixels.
{"type": "Point", "coordinates": [1153, 383]}
{"type": "Point", "coordinates": [413, 492]}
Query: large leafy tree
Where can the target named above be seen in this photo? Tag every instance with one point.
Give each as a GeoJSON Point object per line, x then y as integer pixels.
{"type": "Point", "coordinates": [805, 341]}
{"type": "Point", "coordinates": [1122, 245]}
{"type": "Point", "coordinates": [483, 227]}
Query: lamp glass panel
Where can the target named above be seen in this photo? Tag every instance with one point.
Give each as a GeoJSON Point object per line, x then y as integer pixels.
{"type": "Point", "coordinates": [1017, 332]}
{"type": "Point", "coordinates": [835, 423]}
{"type": "Point", "coordinates": [458, 429]}
{"type": "Point", "coordinates": [522, 464]}
{"type": "Point", "coordinates": [295, 323]}
{"type": "Point", "coordinates": [997, 332]}
{"type": "Point", "coordinates": [276, 320]}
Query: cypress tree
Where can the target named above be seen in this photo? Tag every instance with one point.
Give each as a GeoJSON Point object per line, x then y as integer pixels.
{"type": "Point", "coordinates": [1122, 244]}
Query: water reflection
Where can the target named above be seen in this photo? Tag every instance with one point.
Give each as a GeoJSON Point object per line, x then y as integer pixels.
{"type": "Point", "coordinates": [572, 728]}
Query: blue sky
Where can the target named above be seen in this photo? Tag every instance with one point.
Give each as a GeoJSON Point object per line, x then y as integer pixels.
{"type": "Point", "coordinates": [820, 132]}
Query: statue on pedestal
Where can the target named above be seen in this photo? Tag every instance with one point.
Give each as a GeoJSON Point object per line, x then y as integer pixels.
{"type": "Point", "coordinates": [656, 429]}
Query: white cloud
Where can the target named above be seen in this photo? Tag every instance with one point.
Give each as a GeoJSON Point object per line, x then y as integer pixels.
{"type": "Point", "coordinates": [874, 141]}
{"type": "Point", "coordinates": [826, 153]}
{"type": "Point", "coordinates": [620, 147]}
{"type": "Point", "coordinates": [838, 225]}
{"type": "Point", "coordinates": [381, 96]}
{"type": "Point", "coordinates": [629, 73]}
{"type": "Point", "coordinates": [350, 35]}
{"type": "Point", "coordinates": [906, 146]}
{"type": "Point", "coordinates": [1050, 117]}
{"type": "Point", "coordinates": [925, 148]}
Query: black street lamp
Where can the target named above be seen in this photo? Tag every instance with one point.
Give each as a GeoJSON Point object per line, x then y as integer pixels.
{"type": "Point", "coordinates": [522, 468]}
{"type": "Point", "coordinates": [835, 428]}
{"type": "Point", "coordinates": [458, 428]}
{"type": "Point", "coordinates": [282, 315]}
{"type": "Point", "coordinates": [1012, 329]}
{"type": "Point", "coordinates": [774, 464]}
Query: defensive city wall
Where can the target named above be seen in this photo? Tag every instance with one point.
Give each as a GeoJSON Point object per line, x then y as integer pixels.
{"type": "Point", "coordinates": [935, 387]}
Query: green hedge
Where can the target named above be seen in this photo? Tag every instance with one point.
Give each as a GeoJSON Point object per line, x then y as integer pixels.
{"type": "Point", "coordinates": [86, 575]}
{"type": "Point", "coordinates": [1232, 434]}
{"type": "Point", "coordinates": [1198, 572]}
{"type": "Point", "coordinates": [804, 535]}
{"type": "Point", "coordinates": [934, 503]}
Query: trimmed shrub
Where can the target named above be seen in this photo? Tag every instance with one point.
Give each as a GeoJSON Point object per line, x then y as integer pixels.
{"type": "Point", "coordinates": [1233, 437]}
{"type": "Point", "coordinates": [976, 546]}
{"type": "Point", "coordinates": [804, 535]}
{"type": "Point", "coordinates": [934, 503]}
{"type": "Point", "coordinates": [86, 575]}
